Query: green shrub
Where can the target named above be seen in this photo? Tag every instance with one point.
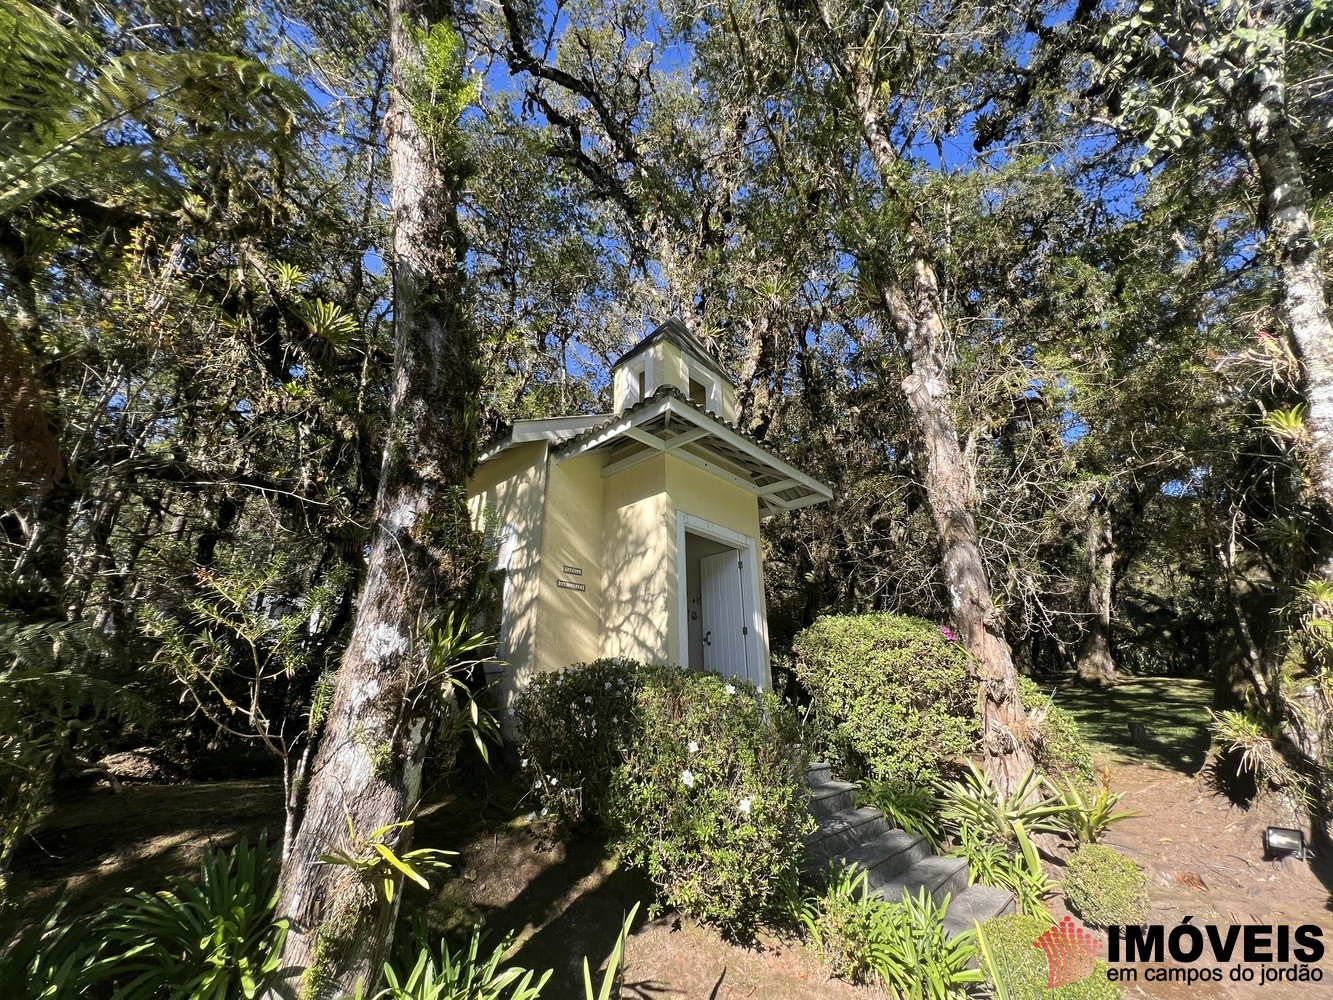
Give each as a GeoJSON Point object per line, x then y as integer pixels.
{"type": "Point", "coordinates": [695, 778]}
{"type": "Point", "coordinates": [1011, 962]}
{"type": "Point", "coordinates": [892, 693]}
{"type": "Point", "coordinates": [1057, 745]}
{"type": "Point", "coordinates": [1104, 887]}
{"type": "Point", "coordinates": [847, 928]}
{"type": "Point", "coordinates": [574, 726]}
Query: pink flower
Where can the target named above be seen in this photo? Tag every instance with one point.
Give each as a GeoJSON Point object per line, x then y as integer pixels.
{"type": "Point", "coordinates": [949, 634]}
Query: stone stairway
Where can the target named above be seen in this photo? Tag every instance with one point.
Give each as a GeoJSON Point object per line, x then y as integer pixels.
{"type": "Point", "coordinates": [895, 862]}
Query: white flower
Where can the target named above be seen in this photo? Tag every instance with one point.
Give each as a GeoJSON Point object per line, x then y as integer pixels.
{"type": "Point", "coordinates": [523, 762]}
{"type": "Point", "coordinates": [687, 776]}
{"type": "Point", "coordinates": [607, 685]}
{"type": "Point", "coordinates": [531, 817]}
{"type": "Point", "coordinates": [544, 811]}
{"type": "Point", "coordinates": [587, 699]}
{"type": "Point", "coordinates": [694, 747]}
{"type": "Point", "coordinates": [745, 805]}
{"type": "Point", "coordinates": [554, 781]}
{"type": "Point", "coordinates": [615, 718]}
{"type": "Point", "coordinates": [730, 689]}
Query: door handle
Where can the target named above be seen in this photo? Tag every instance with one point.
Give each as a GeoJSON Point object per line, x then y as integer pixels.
{"type": "Point", "coordinates": [707, 641]}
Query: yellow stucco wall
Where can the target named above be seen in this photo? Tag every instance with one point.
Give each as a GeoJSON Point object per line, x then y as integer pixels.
{"type": "Point", "coordinates": [508, 493]}
{"type": "Point", "coordinates": [697, 492]}
{"type": "Point", "coordinates": [669, 360]}
{"type": "Point", "coordinates": [622, 531]}
{"type": "Point", "coordinates": [570, 620]}
{"type": "Point", "coordinates": [638, 570]}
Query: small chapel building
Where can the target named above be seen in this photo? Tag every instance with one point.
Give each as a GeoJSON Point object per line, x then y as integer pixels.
{"type": "Point", "coordinates": [636, 533]}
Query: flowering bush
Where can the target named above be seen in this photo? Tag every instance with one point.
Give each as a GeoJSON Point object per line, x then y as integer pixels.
{"type": "Point", "coordinates": [891, 694]}
{"type": "Point", "coordinates": [573, 727]}
{"type": "Point", "coordinates": [696, 778]}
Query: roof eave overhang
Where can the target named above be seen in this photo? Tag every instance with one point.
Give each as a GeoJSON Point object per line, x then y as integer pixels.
{"type": "Point", "coordinates": [779, 485]}
{"type": "Point", "coordinates": [551, 429]}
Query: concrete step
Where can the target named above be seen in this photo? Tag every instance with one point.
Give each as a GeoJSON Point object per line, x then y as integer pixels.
{"type": "Point", "coordinates": [845, 828]}
{"type": "Point", "coordinates": [831, 797]}
{"type": "Point", "coordinates": [888, 855]}
{"type": "Point", "coordinates": [940, 877]}
{"type": "Point", "coordinates": [896, 863]}
{"type": "Point", "coordinates": [881, 857]}
{"type": "Point", "coordinates": [977, 902]}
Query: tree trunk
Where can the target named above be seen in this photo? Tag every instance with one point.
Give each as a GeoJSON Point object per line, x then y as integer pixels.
{"type": "Point", "coordinates": [1096, 665]}
{"type": "Point", "coordinates": [945, 479]}
{"type": "Point", "coordinates": [30, 459]}
{"type": "Point", "coordinates": [918, 318]}
{"type": "Point", "coordinates": [423, 557]}
{"type": "Point", "coordinates": [1286, 217]}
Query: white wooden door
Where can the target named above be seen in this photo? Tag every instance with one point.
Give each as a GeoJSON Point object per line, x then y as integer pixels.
{"type": "Point", "coordinates": [725, 625]}
{"type": "Point", "coordinates": [752, 669]}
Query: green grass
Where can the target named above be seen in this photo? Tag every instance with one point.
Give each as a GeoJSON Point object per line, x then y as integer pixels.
{"type": "Point", "coordinates": [1173, 711]}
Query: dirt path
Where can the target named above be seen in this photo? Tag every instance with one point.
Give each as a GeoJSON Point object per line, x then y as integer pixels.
{"type": "Point", "coordinates": [1203, 858]}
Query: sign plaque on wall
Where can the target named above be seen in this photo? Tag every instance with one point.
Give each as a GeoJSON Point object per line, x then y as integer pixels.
{"type": "Point", "coordinates": [570, 585]}
{"type": "Point", "coordinates": [572, 570]}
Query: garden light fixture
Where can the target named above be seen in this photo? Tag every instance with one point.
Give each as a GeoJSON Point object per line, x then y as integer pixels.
{"type": "Point", "coordinates": [1281, 842]}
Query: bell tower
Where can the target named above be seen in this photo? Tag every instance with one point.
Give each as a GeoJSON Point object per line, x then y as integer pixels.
{"type": "Point", "coordinates": [673, 356]}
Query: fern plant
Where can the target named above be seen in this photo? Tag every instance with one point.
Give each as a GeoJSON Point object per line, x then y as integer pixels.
{"type": "Point", "coordinates": [59, 682]}
{"type": "Point", "coordinates": [66, 104]}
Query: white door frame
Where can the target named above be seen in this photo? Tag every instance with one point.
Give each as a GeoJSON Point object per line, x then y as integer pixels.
{"type": "Point", "coordinates": [758, 637]}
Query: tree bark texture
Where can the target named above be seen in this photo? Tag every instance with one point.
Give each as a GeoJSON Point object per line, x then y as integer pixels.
{"type": "Point", "coordinates": [916, 313]}
{"type": "Point", "coordinates": [422, 558]}
{"type": "Point", "coordinates": [32, 462]}
{"type": "Point", "coordinates": [1096, 664]}
{"type": "Point", "coordinates": [1286, 218]}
